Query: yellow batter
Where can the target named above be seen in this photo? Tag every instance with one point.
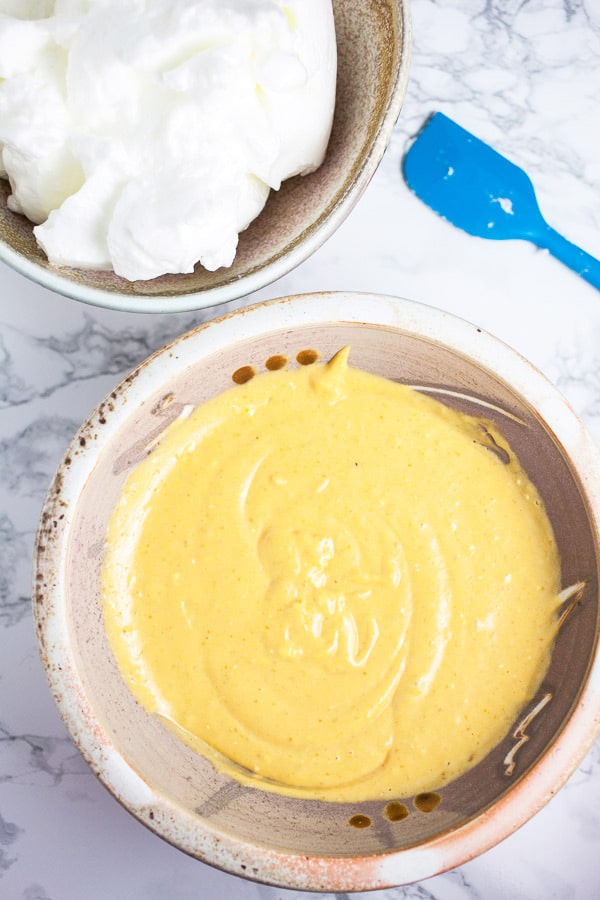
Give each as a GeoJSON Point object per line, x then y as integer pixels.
{"type": "Point", "coordinates": [332, 581]}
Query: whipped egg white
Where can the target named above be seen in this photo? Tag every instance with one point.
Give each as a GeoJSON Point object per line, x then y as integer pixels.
{"type": "Point", "coordinates": [143, 135]}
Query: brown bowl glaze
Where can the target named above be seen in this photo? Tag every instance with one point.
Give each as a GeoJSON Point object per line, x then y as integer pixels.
{"type": "Point", "coordinates": [373, 44]}
{"type": "Point", "coordinates": [292, 842]}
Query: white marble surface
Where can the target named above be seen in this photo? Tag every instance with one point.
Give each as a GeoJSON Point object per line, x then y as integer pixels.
{"type": "Point", "coordinates": [524, 75]}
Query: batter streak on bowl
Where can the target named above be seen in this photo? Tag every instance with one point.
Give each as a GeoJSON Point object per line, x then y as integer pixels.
{"type": "Point", "coordinates": [338, 584]}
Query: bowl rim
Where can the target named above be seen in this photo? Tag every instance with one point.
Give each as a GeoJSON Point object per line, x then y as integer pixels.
{"type": "Point", "coordinates": [181, 827]}
{"type": "Point", "coordinates": [283, 263]}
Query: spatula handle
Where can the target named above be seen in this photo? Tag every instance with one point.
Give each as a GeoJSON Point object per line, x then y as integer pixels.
{"type": "Point", "coordinates": [571, 255]}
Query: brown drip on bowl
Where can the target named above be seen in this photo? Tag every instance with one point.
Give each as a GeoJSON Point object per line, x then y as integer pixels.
{"type": "Point", "coordinates": [307, 357]}
{"type": "Point", "coordinates": [359, 821]}
{"type": "Point", "coordinates": [276, 362]}
{"type": "Point", "coordinates": [243, 374]}
{"type": "Point", "coordinates": [427, 802]}
{"type": "Point", "coordinates": [396, 811]}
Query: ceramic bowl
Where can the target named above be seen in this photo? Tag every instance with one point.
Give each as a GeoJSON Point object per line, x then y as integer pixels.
{"type": "Point", "coordinates": [373, 41]}
{"type": "Point", "coordinates": [299, 843]}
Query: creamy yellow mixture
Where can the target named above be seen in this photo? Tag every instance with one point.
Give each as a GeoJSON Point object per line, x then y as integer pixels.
{"type": "Point", "coordinates": [332, 581]}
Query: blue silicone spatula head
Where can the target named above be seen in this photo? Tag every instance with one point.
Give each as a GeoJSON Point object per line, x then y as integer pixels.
{"type": "Point", "coordinates": [471, 185]}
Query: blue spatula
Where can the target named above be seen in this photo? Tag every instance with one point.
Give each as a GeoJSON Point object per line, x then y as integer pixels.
{"type": "Point", "coordinates": [480, 191]}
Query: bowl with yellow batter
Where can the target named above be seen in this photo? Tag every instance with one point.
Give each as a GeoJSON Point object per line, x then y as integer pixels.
{"type": "Point", "coordinates": [317, 591]}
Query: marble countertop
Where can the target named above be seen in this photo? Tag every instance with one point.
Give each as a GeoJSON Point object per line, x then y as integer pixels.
{"type": "Point", "coordinates": [524, 76]}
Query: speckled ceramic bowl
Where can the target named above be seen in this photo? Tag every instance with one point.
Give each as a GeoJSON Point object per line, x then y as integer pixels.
{"type": "Point", "coordinates": [373, 40]}
{"type": "Point", "coordinates": [291, 842]}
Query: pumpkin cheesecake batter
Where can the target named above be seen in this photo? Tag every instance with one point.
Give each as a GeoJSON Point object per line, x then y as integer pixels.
{"type": "Point", "coordinates": [332, 585]}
